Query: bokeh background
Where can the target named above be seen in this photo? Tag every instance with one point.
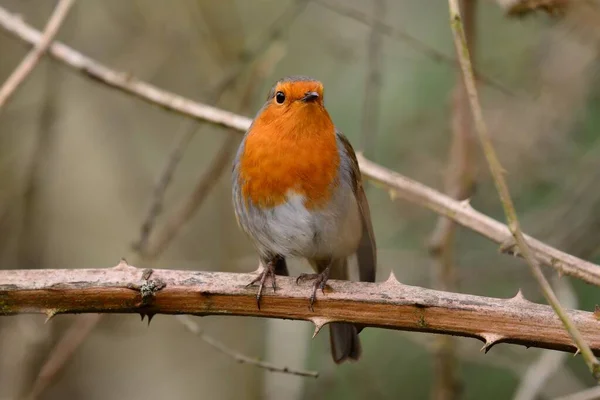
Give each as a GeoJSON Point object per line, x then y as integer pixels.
{"type": "Point", "coordinates": [79, 162]}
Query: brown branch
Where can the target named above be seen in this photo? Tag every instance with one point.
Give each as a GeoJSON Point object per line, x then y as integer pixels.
{"type": "Point", "coordinates": [388, 304]}
{"type": "Point", "coordinates": [193, 327]}
{"type": "Point", "coordinates": [122, 80]}
{"type": "Point", "coordinates": [33, 57]}
{"type": "Point", "coordinates": [498, 172]}
{"type": "Point", "coordinates": [400, 186]}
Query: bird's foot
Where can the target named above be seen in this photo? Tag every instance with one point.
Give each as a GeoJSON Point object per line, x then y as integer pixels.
{"type": "Point", "coordinates": [320, 283]}
{"type": "Point", "coordinates": [268, 271]}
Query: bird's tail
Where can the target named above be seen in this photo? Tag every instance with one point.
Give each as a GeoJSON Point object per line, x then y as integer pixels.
{"type": "Point", "coordinates": [343, 337]}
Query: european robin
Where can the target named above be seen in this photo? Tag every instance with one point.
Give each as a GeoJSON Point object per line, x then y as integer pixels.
{"type": "Point", "coordinates": [297, 192]}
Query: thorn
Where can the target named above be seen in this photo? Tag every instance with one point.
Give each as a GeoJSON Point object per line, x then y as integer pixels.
{"type": "Point", "coordinates": [576, 352]}
{"type": "Point", "coordinates": [50, 313]}
{"type": "Point", "coordinates": [123, 264]}
{"type": "Point", "coordinates": [490, 340]}
{"type": "Point", "coordinates": [150, 316]}
{"type": "Point", "coordinates": [392, 280]}
{"type": "Point", "coordinates": [466, 203]}
{"type": "Point", "coordinates": [509, 246]}
{"type": "Point", "coordinates": [519, 297]}
{"type": "Point", "coordinates": [142, 315]}
{"type": "Point", "coordinates": [319, 322]}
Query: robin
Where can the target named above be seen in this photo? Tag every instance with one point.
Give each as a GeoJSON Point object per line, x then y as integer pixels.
{"type": "Point", "coordinates": [297, 192]}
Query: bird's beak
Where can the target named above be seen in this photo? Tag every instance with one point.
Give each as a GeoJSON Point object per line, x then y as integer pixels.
{"type": "Point", "coordinates": [310, 96]}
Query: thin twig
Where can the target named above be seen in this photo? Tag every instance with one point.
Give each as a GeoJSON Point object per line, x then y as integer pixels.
{"type": "Point", "coordinates": [399, 185]}
{"type": "Point", "coordinates": [373, 82]}
{"type": "Point", "coordinates": [193, 327]}
{"type": "Point", "coordinates": [33, 57]}
{"type": "Point", "coordinates": [402, 35]}
{"type": "Point", "coordinates": [388, 305]}
{"type": "Point", "coordinates": [502, 188]}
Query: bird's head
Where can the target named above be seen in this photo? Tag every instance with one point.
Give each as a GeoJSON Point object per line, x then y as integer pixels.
{"type": "Point", "coordinates": [295, 106]}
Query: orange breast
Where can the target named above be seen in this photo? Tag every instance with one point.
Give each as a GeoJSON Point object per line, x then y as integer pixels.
{"type": "Point", "coordinates": [274, 163]}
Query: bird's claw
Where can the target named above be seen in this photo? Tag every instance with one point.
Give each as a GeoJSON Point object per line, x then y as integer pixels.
{"type": "Point", "coordinates": [320, 283]}
{"type": "Point", "coordinates": [268, 271]}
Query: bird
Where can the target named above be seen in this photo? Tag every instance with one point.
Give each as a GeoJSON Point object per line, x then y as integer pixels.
{"type": "Point", "coordinates": [298, 193]}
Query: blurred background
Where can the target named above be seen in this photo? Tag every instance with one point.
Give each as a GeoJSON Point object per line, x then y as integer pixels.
{"type": "Point", "coordinates": [79, 163]}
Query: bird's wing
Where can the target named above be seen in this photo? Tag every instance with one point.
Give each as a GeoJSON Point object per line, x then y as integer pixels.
{"type": "Point", "coordinates": [367, 249]}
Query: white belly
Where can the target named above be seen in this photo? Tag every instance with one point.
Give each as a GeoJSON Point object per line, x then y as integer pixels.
{"type": "Point", "coordinates": [292, 230]}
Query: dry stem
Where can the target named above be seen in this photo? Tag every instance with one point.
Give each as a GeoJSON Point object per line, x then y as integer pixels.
{"type": "Point", "coordinates": [502, 188]}
{"type": "Point", "coordinates": [389, 304]}
{"type": "Point", "coordinates": [33, 57]}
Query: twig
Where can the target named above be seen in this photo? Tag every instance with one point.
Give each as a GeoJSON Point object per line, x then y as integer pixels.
{"type": "Point", "coordinates": [195, 329]}
{"type": "Point", "coordinates": [389, 304]}
{"type": "Point", "coordinates": [33, 57]}
{"type": "Point", "coordinates": [402, 35]}
{"type": "Point", "coordinates": [62, 352]}
{"type": "Point", "coordinates": [588, 394]}
{"type": "Point", "coordinates": [373, 82]}
{"type": "Point", "coordinates": [502, 188]}
{"type": "Point", "coordinates": [399, 185]}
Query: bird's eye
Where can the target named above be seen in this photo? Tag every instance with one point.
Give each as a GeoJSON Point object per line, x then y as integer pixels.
{"type": "Point", "coordinates": [279, 97]}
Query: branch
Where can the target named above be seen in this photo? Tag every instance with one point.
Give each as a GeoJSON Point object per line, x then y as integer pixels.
{"type": "Point", "coordinates": [401, 186]}
{"type": "Point", "coordinates": [462, 213]}
{"type": "Point", "coordinates": [33, 57]}
{"type": "Point", "coordinates": [389, 304]}
{"type": "Point", "coordinates": [502, 187]}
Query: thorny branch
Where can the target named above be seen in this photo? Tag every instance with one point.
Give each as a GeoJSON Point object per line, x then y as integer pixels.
{"type": "Point", "coordinates": [400, 186]}
{"type": "Point", "coordinates": [33, 57]}
{"type": "Point", "coordinates": [388, 304]}
{"type": "Point", "coordinates": [502, 187]}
